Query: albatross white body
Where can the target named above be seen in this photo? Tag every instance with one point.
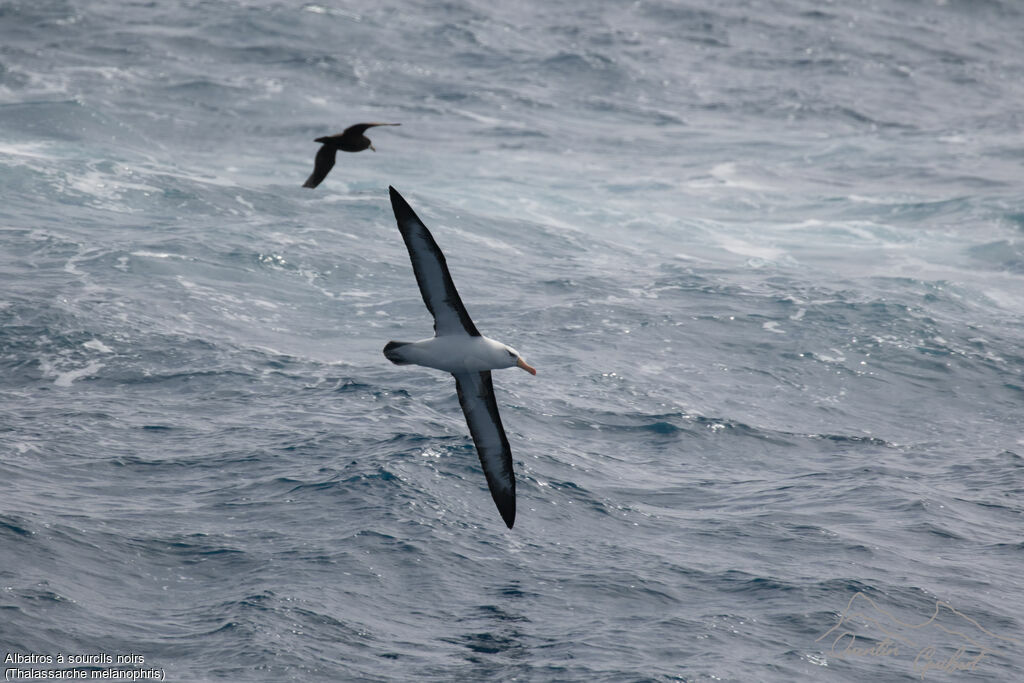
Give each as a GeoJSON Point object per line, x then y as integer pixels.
{"type": "Point", "coordinates": [457, 347]}
{"type": "Point", "coordinates": [458, 353]}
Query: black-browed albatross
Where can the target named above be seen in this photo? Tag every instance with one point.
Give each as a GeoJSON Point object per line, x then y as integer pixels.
{"type": "Point", "coordinates": [349, 140]}
{"type": "Point", "coordinates": [457, 347]}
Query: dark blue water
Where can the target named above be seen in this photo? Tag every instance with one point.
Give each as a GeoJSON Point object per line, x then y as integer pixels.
{"type": "Point", "coordinates": [768, 259]}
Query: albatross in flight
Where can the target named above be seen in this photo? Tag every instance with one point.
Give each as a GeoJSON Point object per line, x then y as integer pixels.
{"type": "Point", "coordinates": [457, 347]}
{"type": "Point", "coordinates": [351, 140]}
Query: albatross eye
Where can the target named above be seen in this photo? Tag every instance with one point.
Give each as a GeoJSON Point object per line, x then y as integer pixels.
{"type": "Point", "coordinates": [511, 353]}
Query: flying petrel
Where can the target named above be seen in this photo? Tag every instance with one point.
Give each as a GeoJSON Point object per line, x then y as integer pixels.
{"type": "Point", "coordinates": [352, 140]}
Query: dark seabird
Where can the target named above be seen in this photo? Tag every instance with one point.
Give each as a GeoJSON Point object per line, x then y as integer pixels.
{"type": "Point", "coordinates": [352, 140]}
{"type": "Point", "coordinates": [457, 347]}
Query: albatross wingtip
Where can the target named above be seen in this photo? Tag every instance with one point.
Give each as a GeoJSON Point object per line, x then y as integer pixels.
{"type": "Point", "coordinates": [508, 513]}
{"type": "Point", "coordinates": [401, 207]}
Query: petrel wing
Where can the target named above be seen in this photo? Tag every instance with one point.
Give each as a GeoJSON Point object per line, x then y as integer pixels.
{"type": "Point", "coordinates": [476, 394]}
{"type": "Point", "coordinates": [360, 128]}
{"type": "Point", "coordinates": [323, 165]}
{"type": "Point", "coordinates": [436, 286]}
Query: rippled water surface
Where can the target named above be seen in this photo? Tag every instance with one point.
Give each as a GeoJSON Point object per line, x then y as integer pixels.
{"type": "Point", "coordinates": [767, 257]}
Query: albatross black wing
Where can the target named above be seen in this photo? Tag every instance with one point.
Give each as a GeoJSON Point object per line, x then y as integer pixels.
{"type": "Point", "coordinates": [476, 394]}
{"type": "Point", "coordinates": [436, 286]}
{"type": "Point", "coordinates": [324, 164]}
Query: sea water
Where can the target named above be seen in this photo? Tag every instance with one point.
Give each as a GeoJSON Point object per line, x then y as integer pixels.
{"type": "Point", "coordinates": [767, 258]}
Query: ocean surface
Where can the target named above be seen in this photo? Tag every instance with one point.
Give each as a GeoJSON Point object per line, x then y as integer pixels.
{"type": "Point", "coordinates": [767, 257]}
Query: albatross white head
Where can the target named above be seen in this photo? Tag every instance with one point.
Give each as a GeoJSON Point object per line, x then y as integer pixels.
{"type": "Point", "coordinates": [515, 359]}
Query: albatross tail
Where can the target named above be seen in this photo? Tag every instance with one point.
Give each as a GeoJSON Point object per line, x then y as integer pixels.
{"type": "Point", "coordinates": [394, 353]}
